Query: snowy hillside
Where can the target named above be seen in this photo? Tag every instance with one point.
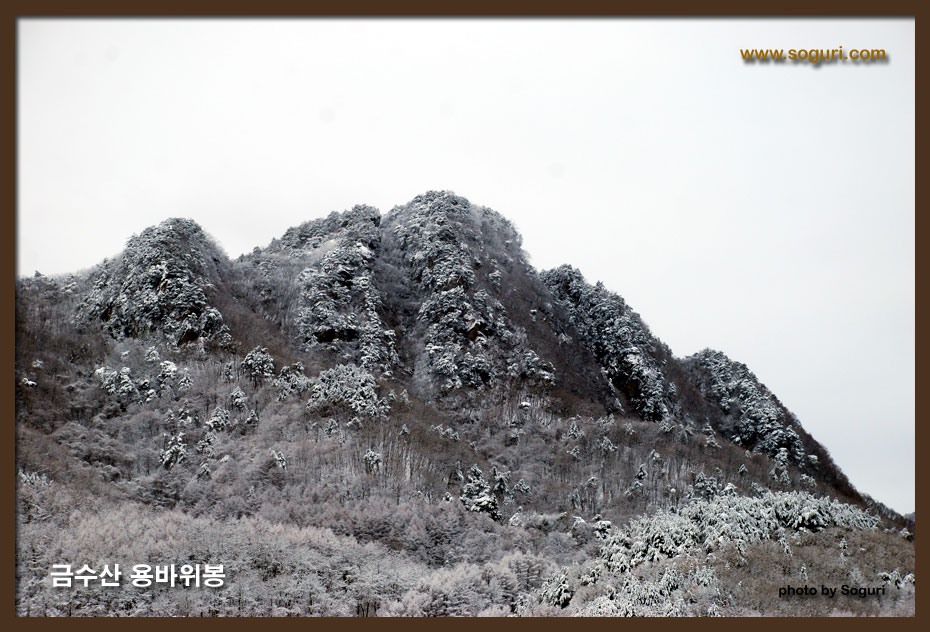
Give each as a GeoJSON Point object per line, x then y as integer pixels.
{"type": "Point", "coordinates": [395, 414]}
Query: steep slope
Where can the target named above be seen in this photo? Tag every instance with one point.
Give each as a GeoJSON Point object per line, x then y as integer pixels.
{"type": "Point", "coordinates": [631, 357]}
{"type": "Point", "coordinates": [750, 415]}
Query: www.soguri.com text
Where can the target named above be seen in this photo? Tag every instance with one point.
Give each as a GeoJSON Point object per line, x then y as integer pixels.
{"type": "Point", "coordinates": [815, 55]}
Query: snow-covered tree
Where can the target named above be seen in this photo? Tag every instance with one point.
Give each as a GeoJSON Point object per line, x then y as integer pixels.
{"type": "Point", "coordinates": [557, 590]}
{"type": "Point", "coordinates": [574, 432]}
{"type": "Point", "coordinates": [606, 445]}
{"type": "Point", "coordinates": [291, 381]}
{"type": "Point", "coordinates": [477, 495]}
{"type": "Point", "coordinates": [205, 445]}
{"type": "Point", "coordinates": [372, 461]}
{"type": "Point", "coordinates": [185, 381]}
{"type": "Point", "coordinates": [219, 419]}
{"type": "Point", "coordinates": [279, 459]}
{"type": "Point", "coordinates": [258, 365]}
{"type": "Point", "coordinates": [118, 383]}
{"type": "Point", "coordinates": [174, 451]}
{"type": "Point", "coordinates": [238, 399]}
{"type": "Point", "coordinates": [346, 389]}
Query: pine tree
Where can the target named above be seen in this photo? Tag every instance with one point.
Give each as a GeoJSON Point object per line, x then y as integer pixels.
{"type": "Point", "coordinates": [477, 495]}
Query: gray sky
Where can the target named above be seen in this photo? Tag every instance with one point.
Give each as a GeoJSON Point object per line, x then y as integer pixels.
{"type": "Point", "coordinates": [763, 210]}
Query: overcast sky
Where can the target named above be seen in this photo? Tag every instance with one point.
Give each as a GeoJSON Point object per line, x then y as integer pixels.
{"type": "Point", "coordinates": [763, 210]}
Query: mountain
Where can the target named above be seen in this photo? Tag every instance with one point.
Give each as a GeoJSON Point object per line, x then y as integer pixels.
{"type": "Point", "coordinates": [160, 284]}
{"type": "Point", "coordinates": [407, 389]}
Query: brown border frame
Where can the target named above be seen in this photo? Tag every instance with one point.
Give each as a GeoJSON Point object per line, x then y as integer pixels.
{"type": "Point", "coordinates": [285, 8]}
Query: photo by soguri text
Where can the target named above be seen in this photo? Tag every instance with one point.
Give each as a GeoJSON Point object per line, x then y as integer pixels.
{"type": "Point", "coordinates": [830, 591]}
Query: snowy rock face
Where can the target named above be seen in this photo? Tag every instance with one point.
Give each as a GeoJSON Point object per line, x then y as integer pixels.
{"type": "Point", "coordinates": [469, 340]}
{"type": "Point", "coordinates": [357, 225]}
{"type": "Point", "coordinates": [619, 340]}
{"type": "Point", "coordinates": [338, 306]}
{"type": "Point", "coordinates": [757, 419]}
{"type": "Point", "coordinates": [158, 286]}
